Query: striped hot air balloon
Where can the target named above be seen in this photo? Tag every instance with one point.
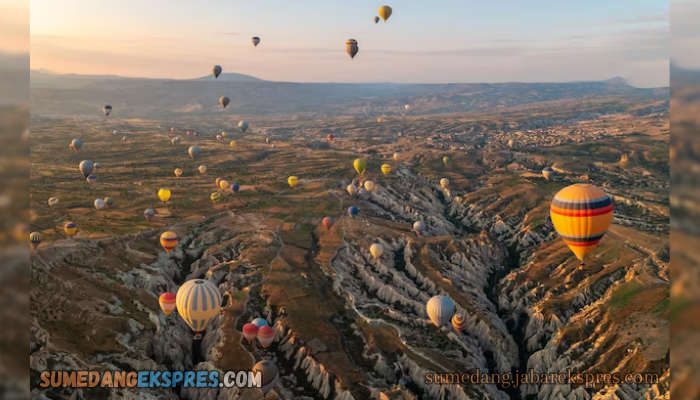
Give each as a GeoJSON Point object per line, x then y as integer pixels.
{"type": "Point", "coordinates": [386, 169]}
{"type": "Point", "coordinates": [149, 213]}
{"type": "Point", "coordinates": [167, 302]}
{"type": "Point", "coordinates": [250, 332]}
{"type": "Point", "coordinates": [35, 239]}
{"type": "Point", "coordinates": [459, 321]}
{"type": "Point", "coordinates": [581, 214]}
{"type": "Point", "coordinates": [351, 48]}
{"type": "Point", "coordinates": [266, 335]}
{"type": "Point", "coordinates": [198, 303]}
{"type": "Point", "coordinates": [215, 197]}
{"type": "Point", "coordinates": [270, 375]}
{"type": "Point", "coordinates": [293, 181]}
{"type": "Point", "coordinates": [70, 228]}
{"type": "Point", "coordinates": [169, 241]}
{"type": "Point", "coordinates": [91, 179]}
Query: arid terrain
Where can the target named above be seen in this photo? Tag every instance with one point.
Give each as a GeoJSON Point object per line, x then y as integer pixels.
{"type": "Point", "coordinates": [350, 326]}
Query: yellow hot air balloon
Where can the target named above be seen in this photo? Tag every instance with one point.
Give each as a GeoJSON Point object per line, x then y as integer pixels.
{"type": "Point", "coordinates": [178, 172]}
{"type": "Point", "coordinates": [169, 241]}
{"type": "Point", "coordinates": [386, 168]}
{"type": "Point", "coordinates": [379, 120]}
{"type": "Point", "coordinates": [223, 134]}
{"type": "Point", "coordinates": [360, 165]}
{"type": "Point", "coordinates": [164, 195]}
{"type": "Point", "coordinates": [444, 182]}
{"type": "Point", "coordinates": [70, 228]}
{"type": "Point", "coordinates": [369, 185]}
{"type": "Point", "coordinates": [198, 303]}
{"type": "Point", "coordinates": [223, 184]}
{"type": "Point", "coordinates": [385, 12]}
{"type": "Point", "coordinates": [376, 250]}
{"type": "Point", "coordinates": [233, 143]}
{"type": "Point", "coordinates": [293, 181]}
{"type": "Point", "coordinates": [216, 196]}
{"type": "Point", "coordinates": [352, 189]}
{"type": "Point", "coordinates": [581, 214]}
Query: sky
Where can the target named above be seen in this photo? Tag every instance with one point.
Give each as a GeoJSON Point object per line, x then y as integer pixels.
{"type": "Point", "coordinates": [441, 41]}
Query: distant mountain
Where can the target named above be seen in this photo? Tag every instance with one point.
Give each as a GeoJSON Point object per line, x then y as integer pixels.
{"type": "Point", "coordinates": [617, 81]}
{"type": "Point", "coordinates": [231, 77]}
{"type": "Point", "coordinates": [47, 79]}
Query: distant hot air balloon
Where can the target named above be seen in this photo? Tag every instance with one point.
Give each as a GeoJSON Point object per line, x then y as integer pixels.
{"type": "Point", "coordinates": [219, 179]}
{"type": "Point", "coordinates": [224, 101]}
{"type": "Point", "coordinates": [235, 187]}
{"type": "Point", "coordinates": [86, 167]}
{"type": "Point", "coordinates": [459, 321]}
{"type": "Point", "coordinates": [53, 201]}
{"type": "Point", "coordinates": [376, 20]}
{"type": "Point", "coordinates": [35, 239]}
{"type": "Point", "coordinates": [149, 213]}
{"type": "Point", "coordinates": [379, 120]}
{"type": "Point", "coordinates": [224, 134]}
{"type": "Point", "coordinates": [292, 181]}
{"type": "Point", "coordinates": [164, 195]}
{"type": "Point", "coordinates": [444, 182]}
{"type": "Point", "coordinates": [255, 40]}
{"type": "Point", "coordinates": [352, 189]}
{"type": "Point", "coordinates": [172, 129]}
{"type": "Point", "coordinates": [351, 48]}
{"type": "Point", "coordinates": [407, 107]}
{"type": "Point", "coordinates": [198, 303]}
{"type": "Point", "coordinates": [91, 179]}
{"type": "Point", "coordinates": [232, 143]}
{"type": "Point", "coordinates": [267, 140]}
{"type": "Point", "coordinates": [76, 145]}
{"type": "Point", "coordinates": [397, 155]}
{"type": "Point", "coordinates": [250, 332]}
{"type": "Point", "coordinates": [511, 143]}
{"type": "Point", "coordinates": [548, 173]}
{"type": "Point", "coordinates": [125, 138]}
{"type": "Point", "coordinates": [115, 132]}
{"type": "Point", "coordinates": [168, 240]}
{"type": "Point", "coordinates": [174, 141]}
{"type": "Point", "coordinates": [369, 185]}
{"type": "Point", "coordinates": [352, 211]}
{"type": "Point", "coordinates": [270, 375]}
{"type": "Point", "coordinates": [266, 335]}
{"type": "Point", "coordinates": [386, 169]}
{"type": "Point", "coordinates": [107, 110]}
{"type": "Point", "coordinates": [193, 151]}
{"type": "Point", "coordinates": [219, 137]}
{"type": "Point", "coordinates": [70, 228]}
{"type": "Point", "coordinates": [260, 322]}
{"type": "Point", "coordinates": [446, 160]}
{"type": "Point", "coordinates": [360, 165]}
{"type": "Point", "coordinates": [215, 197]}
{"type": "Point", "coordinates": [419, 227]}
{"type": "Point", "coordinates": [328, 222]}
{"type": "Point", "coordinates": [385, 12]}
{"type": "Point", "coordinates": [330, 137]}
{"type": "Point", "coordinates": [99, 204]}
{"type": "Point", "coordinates": [97, 166]}
{"type": "Point", "coordinates": [168, 302]}
{"type": "Point", "coordinates": [178, 172]}
{"type": "Point", "coordinates": [223, 184]}
{"type": "Point", "coordinates": [202, 169]}
{"type": "Point", "coordinates": [216, 70]}
{"type": "Point", "coordinates": [440, 310]}
{"type": "Point", "coordinates": [243, 125]}
{"type": "Point", "coordinates": [109, 201]}
{"type": "Point", "coordinates": [377, 250]}
{"type": "Point", "coordinates": [581, 214]}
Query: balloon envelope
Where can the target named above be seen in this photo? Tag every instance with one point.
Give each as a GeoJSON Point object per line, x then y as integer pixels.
{"type": "Point", "coordinates": [259, 322]}
{"type": "Point", "coordinates": [198, 303]}
{"type": "Point", "coordinates": [351, 48]}
{"type": "Point", "coordinates": [86, 167]}
{"type": "Point", "coordinates": [35, 239]}
{"type": "Point", "coordinates": [167, 302]}
{"type": "Point", "coordinates": [377, 250]}
{"type": "Point", "coordinates": [445, 160]}
{"type": "Point", "coordinates": [243, 125]}
{"type": "Point", "coordinates": [250, 331]}
{"type": "Point", "coordinates": [235, 187]}
{"type": "Point", "coordinates": [70, 228]}
{"type": "Point", "coordinates": [419, 226]}
{"type": "Point", "coordinates": [76, 145]}
{"type": "Point", "coordinates": [376, 20]}
{"type": "Point", "coordinates": [352, 189]}
{"type": "Point", "coordinates": [224, 101]}
{"type": "Point", "coordinates": [352, 211]}
{"type": "Point", "coordinates": [270, 375]}
{"type": "Point", "coordinates": [168, 240]}
{"type": "Point", "coordinates": [386, 169]}
{"type": "Point", "coordinates": [202, 169]}
{"type": "Point", "coordinates": [385, 12]}
{"type": "Point", "coordinates": [193, 151]}
{"type": "Point", "coordinates": [216, 196]}
{"type": "Point", "coordinates": [459, 321]}
{"type": "Point", "coordinates": [293, 181]}
{"type": "Point", "coordinates": [360, 164]}
{"type": "Point", "coordinates": [53, 201]}
{"type": "Point", "coordinates": [255, 40]}
{"type": "Point", "coordinates": [440, 310]}
{"type": "Point", "coordinates": [91, 179]}
{"type": "Point", "coordinates": [369, 185]}
{"type": "Point", "coordinates": [328, 222]}
{"type": "Point", "coordinates": [149, 213]}
{"type": "Point", "coordinates": [216, 71]}
{"type": "Point", "coordinates": [164, 195]}
{"type": "Point", "coordinates": [548, 173]}
{"type": "Point", "coordinates": [444, 182]}
{"type": "Point", "coordinates": [107, 109]}
{"type": "Point", "coordinates": [397, 156]}
{"type": "Point", "coordinates": [266, 335]}
{"type": "Point", "coordinates": [99, 204]}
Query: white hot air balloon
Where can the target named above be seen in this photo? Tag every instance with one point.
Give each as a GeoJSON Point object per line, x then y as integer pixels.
{"type": "Point", "coordinates": [440, 310]}
{"type": "Point", "coordinates": [99, 204]}
{"type": "Point", "coordinates": [369, 185]}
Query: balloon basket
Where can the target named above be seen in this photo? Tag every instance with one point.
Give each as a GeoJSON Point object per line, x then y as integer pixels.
{"type": "Point", "coordinates": [197, 336]}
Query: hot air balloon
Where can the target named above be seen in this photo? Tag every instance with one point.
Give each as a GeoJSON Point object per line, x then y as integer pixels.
{"type": "Point", "coordinates": [164, 195]}
{"type": "Point", "coordinates": [235, 187]}
{"type": "Point", "coordinates": [109, 201]}
{"type": "Point", "coordinates": [125, 138]}
{"type": "Point", "coordinates": [224, 134]}
{"type": "Point", "coordinates": [172, 129]}
{"type": "Point", "coordinates": [369, 185]}
{"type": "Point", "coordinates": [292, 181]}
{"type": "Point", "coordinates": [548, 173]}
{"type": "Point", "coordinates": [115, 132]}
{"type": "Point", "coordinates": [419, 226]}
{"type": "Point", "coordinates": [149, 213]}
{"type": "Point", "coordinates": [511, 143]}
{"type": "Point", "coordinates": [360, 165]}
{"type": "Point", "coordinates": [168, 302]}
{"type": "Point", "coordinates": [352, 211]}
{"type": "Point", "coordinates": [243, 125]}
{"type": "Point", "coordinates": [178, 172]}
{"type": "Point", "coordinates": [376, 249]}
{"type": "Point", "coordinates": [266, 335]}
{"type": "Point", "coordinates": [385, 12]}
{"type": "Point", "coordinates": [267, 140]}
{"type": "Point", "coordinates": [35, 239]}
{"type": "Point", "coordinates": [70, 228]}
{"type": "Point", "coordinates": [581, 214]}
{"type": "Point", "coordinates": [107, 110]}
{"type": "Point", "coordinates": [219, 137]}
{"type": "Point", "coordinates": [232, 143]}
{"type": "Point", "coordinates": [255, 40]}
{"type": "Point", "coordinates": [76, 145]}
{"type": "Point", "coordinates": [97, 166]}
{"type": "Point", "coordinates": [444, 182]}
{"type": "Point", "coordinates": [351, 48]}
{"type": "Point", "coordinates": [86, 167]}
{"type": "Point", "coordinates": [99, 204]}
{"type": "Point", "coordinates": [440, 310]}
{"type": "Point", "coordinates": [386, 169]}
{"type": "Point", "coordinates": [174, 141]}
{"type": "Point", "coordinates": [352, 189]}
{"type": "Point", "coordinates": [219, 179]}
{"type": "Point", "coordinates": [328, 222]}
{"type": "Point", "coordinates": [216, 71]}
{"type": "Point", "coordinates": [270, 375]}
{"type": "Point", "coordinates": [198, 303]}
{"type": "Point", "coordinates": [193, 151]}
{"type": "Point", "coordinates": [224, 101]}
{"type": "Point", "coordinates": [376, 20]}
{"type": "Point", "coordinates": [169, 241]}
{"type": "Point", "coordinates": [379, 120]}
{"type": "Point", "coordinates": [53, 201]}
{"type": "Point", "coordinates": [272, 145]}
{"type": "Point", "coordinates": [223, 184]}
{"type": "Point", "coordinates": [407, 107]}
{"type": "Point", "coordinates": [202, 169]}
{"type": "Point", "coordinates": [445, 160]}
{"type": "Point", "coordinates": [459, 321]}
{"type": "Point", "coordinates": [250, 332]}
{"type": "Point", "coordinates": [91, 179]}
{"type": "Point", "coordinates": [397, 155]}
{"type": "Point", "coordinates": [260, 322]}
{"type": "Point", "coordinates": [215, 197]}
{"type": "Point", "coordinates": [330, 137]}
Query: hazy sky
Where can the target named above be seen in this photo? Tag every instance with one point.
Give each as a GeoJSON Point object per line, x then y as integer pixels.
{"type": "Point", "coordinates": [304, 40]}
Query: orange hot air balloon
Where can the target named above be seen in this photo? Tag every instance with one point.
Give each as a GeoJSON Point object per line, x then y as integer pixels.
{"type": "Point", "coordinates": [328, 222]}
{"type": "Point", "coordinates": [459, 321]}
{"type": "Point", "coordinates": [250, 332]}
{"type": "Point", "coordinates": [169, 241]}
{"type": "Point", "coordinates": [330, 137]}
{"type": "Point", "coordinates": [167, 302]}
